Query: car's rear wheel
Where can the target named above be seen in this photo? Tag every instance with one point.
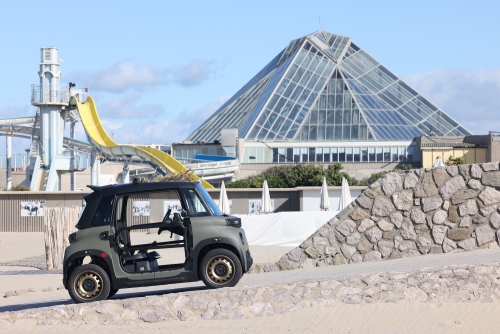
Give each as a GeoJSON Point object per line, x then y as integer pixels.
{"type": "Point", "coordinates": [89, 283]}
{"type": "Point", "coordinates": [220, 268]}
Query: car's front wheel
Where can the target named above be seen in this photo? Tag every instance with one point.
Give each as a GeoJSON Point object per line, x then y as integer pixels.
{"type": "Point", "coordinates": [89, 283]}
{"type": "Point", "coordinates": [220, 268]}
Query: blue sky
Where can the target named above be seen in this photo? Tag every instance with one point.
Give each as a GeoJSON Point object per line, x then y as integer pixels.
{"type": "Point", "coordinates": [158, 69]}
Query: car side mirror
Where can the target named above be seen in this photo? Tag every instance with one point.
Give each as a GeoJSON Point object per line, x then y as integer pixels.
{"type": "Point", "coordinates": [183, 213]}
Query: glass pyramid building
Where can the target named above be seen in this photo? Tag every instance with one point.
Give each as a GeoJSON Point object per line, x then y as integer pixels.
{"type": "Point", "coordinates": [324, 87]}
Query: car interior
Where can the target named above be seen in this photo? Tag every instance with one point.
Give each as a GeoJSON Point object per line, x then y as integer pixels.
{"type": "Point", "coordinates": [167, 233]}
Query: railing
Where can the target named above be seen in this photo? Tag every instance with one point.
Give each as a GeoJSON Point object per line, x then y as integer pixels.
{"type": "Point", "coordinates": [18, 162]}
{"type": "Point", "coordinates": [43, 94]}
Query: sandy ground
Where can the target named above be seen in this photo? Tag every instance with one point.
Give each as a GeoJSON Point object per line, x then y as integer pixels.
{"type": "Point", "coordinates": [17, 246]}
{"type": "Point", "coordinates": [372, 318]}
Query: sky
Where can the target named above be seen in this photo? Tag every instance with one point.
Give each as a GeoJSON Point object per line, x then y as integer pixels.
{"type": "Point", "coordinates": [158, 69]}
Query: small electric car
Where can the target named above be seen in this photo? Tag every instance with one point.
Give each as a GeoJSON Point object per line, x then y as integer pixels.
{"type": "Point", "coordinates": [103, 256]}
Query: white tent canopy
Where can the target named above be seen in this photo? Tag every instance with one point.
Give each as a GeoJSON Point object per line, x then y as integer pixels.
{"type": "Point", "coordinates": [345, 196]}
{"type": "Point", "coordinates": [325, 200]}
{"type": "Point", "coordinates": [223, 200]}
{"type": "Point", "coordinates": [266, 199]}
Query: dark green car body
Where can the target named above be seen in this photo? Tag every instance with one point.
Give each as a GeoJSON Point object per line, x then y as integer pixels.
{"type": "Point", "coordinates": [98, 230]}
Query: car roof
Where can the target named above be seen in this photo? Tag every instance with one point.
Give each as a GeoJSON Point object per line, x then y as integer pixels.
{"type": "Point", "coordinates": [128, 188]}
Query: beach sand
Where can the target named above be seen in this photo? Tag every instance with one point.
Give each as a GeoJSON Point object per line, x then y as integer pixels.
{"type": "Point", "coordinates": [371, 318]}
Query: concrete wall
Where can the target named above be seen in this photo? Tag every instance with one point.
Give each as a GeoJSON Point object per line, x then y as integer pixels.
{"type": "Point", "coordinates": [295, 199]}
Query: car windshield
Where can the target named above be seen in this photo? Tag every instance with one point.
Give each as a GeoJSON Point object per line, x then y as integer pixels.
{"type": "Point", "coordinates": [84, 204]}
{"type": "Point", "coordinates": [208, 199]}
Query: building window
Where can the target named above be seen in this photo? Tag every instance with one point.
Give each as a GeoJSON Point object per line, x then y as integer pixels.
{"type": "Point", "coordinates": [394, 151]}
{"type": "Point", "coordinates": [312, 154]}
{"type": "Point", "coordinates": [281, 154]}
{"type": "Point", "coordinates": [364, 154]}
{"type": "Point", "coordinates": [335, 156]}
{"type": "Point", "coordinates": [387, 154]}
{"type": "Point", "coordinates": [402, 153]}
{"type": "Point", "coordinates": [304, 154]}
{"type": "Point", "coordinates": [319, 154]}
{"type": "Point", "coordinates": [326, 154]}
{"type": "Point", "coordinates": [275, 155]}
{"type": "Point", "coordinates": [296, 154]}
{"type": "Point", "coordinates": [357, 157]}
{"type": "Point", "coordinates": [411, 156]}
{"type": "Point", "coordinates": [380, 155]}
{"type": "Point", "coordinates": [342, 154]}
{"type": "Point", "coordinates": [289, 154]}
{"type": "Point", "coordinates": [348, 154]}
{"type": "Point", "coordinates": [371, 154]}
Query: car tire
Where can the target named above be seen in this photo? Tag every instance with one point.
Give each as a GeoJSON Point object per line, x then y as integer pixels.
{"type": "Point", "coordinates": [220, 268]}
{"type": "Point", "coordinates": [89, 283]}
{"type": "Point", "coordinates": [112, 292]}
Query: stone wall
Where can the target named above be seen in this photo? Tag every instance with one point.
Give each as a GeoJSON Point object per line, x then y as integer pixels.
{"type": "Point", "coordinates": [405, 214]}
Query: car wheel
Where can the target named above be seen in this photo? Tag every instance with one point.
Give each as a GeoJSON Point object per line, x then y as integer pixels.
{"type": "Point", "coordinates": [220, 268]}
{"type": "Point", "coordinates": [89, 283]}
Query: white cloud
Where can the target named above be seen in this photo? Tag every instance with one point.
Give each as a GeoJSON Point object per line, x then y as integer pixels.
{"type": "Point", "coordinates": [195, 73]}
{"type": "Point", "coordinates": [162, 130]}
{"type": "Point", "coordinates": [128, 75]}
{"type": "Point", "coordinates": [472, 98]}
{"type": "Point", "coordinates": [127, 106]}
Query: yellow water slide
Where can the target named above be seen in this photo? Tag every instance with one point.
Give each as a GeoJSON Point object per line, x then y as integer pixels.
{"type": "Point", "coordinates": [98, 136]}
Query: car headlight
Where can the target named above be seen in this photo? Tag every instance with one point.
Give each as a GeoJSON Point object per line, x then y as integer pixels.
{"type": "Point", "coordinates": [233, 221]}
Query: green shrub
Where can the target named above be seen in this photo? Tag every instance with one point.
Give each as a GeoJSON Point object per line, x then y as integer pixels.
{"type": "Point", "coordinates": [299, 175]}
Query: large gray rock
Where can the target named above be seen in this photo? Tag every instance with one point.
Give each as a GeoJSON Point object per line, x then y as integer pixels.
{"type": "Point", "coordinates": [353, 239]}
{"type": "Point", "coordinates": [365, 202]}
{"type": "Point", "coordinates": [417, 216]}
{"type": "Point", "coordinates": [490, 166]}
{"type": "Point", "coordinates": [465, 222]}
{"type": "Point", "coordinates": [382, 206]}
{"type": "Point", "coordinates": [439, 217]}
{"type": "Point", "coordinates": [427, 187]}
{"type": "Point", "coordinates": [458, 234]}
{"type": "Point", "coordinates": [407, 245]}
{"type": "Point", "coordinates": [407, 230]}
{"type": "Point", "coordinates": [403, 200]}
{"type": "Point", "coordinates": [365, 224]}
{"type": "Point", "coordinates": [488, 210]}
{"type": "Point", "coordinates": [440, 176]}
{"type": "Point", "coordinates": [372, 256]}
{"type": "Point", "coordinates": [364, 246]}
{"type": "Point", "coordinates": [491, 179]}
{"type": "Point", "coordinates": [390, 183]}
{"type": "Point", "coordinates": [467, 244]}
{"type": "Point", "coordinates": [396, 219]}
{"type": "Point", "coordinates": [155, 315]}
{"type": "Point", "coordinates": [463, 195]}
{"type": "Point", "coordinates": [476, 171]}
{"type": "Point", "coordinates": [424, 243]}
{"type": "Point", "coordinates": [489, 196]}
{"type": "Point", "coordinates": [359, 214]}
{"type": "Point", "coordinates": [449, 245]}
{"type": "Point", "coordinates": [385, 247]}
{"type": "Point", "coordinates": [347, 250]}
{"type": "Point", "coordinates": [484, 234]}
{"type": "Point", "coordinates": [373, 234]}
{"type": "Point", "coordinates": [452, 170]}
{"type": "Point", "coordinates": [451, 186]}
{"type": "Point", "coordinates": [475, 184]}
{"type": "Point", "coordinates": [495, 220]}
{"type": "Point", "coordinates": [410, 180]}
{"type": "Point", "coordinates": [439, 233]}
{"type": "Point", "coordinates": [346, 227]}
{"type": "Point", "coordinates": [468, 208]}
{"type": "Point", "coordinates": [431, 203]}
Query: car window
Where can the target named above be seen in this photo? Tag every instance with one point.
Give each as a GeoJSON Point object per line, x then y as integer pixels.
{"type": "Point", "coordinates": [208, 199]}
{"type": "Point", "coordinates": [195, 206]}
{"type": "Point", "coordinates": [102, 215]}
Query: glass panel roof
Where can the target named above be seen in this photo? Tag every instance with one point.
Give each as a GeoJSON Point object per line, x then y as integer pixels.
{"type": "Point", "coordinates": [324, 87]}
